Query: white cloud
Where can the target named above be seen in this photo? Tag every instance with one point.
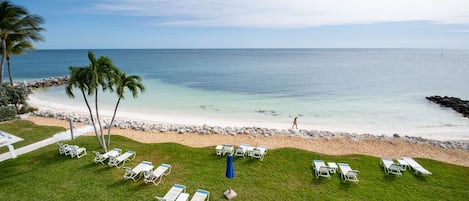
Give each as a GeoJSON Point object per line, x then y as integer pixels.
{"type": "Point", "coordinates": [288, 13]}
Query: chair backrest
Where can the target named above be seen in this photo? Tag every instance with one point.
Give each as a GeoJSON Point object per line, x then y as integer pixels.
{"type": "Point", "coordinates": [113, 152]}
{"type": "Point", "coordinates": [125, 156]}
{"type": "Point", "coordinates": [318, 164]}
{"type": "Point", "coordinates": [174, 192]}
{"type": "Point", "coordinates": [387, 162]}
{"type": "Point", "coordinates": [160, 170]}
{"type": "Point", "coordinates": [344, 167]}
{"type": "Point", "coordinates": [200, 195]}
{"type": "Point", "coordinates": [143, 166]}
{"type": "Point", "coordinates": [412, 163]}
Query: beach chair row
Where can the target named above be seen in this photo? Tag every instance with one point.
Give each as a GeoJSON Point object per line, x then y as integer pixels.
{"type": "Point", "coordinates": [114, 157]}
{"type": "Point", "coordinates": [178, 193]}
{"type": "Point", "coordinates": [391, 167]}
{"type": "Point", "coordinates": [74, 151]}
{"type": "Point", "coordinates": [346, 173]}
{"type": "Point", "coordinates": [150, 175]}
{"type": "Point", "coordinates": [243, 150]}
{"type": "Point", "coordinates": [321, 169]}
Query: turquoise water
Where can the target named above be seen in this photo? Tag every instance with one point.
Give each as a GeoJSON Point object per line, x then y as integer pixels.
{"type": "Point", "coordinates": [379, 91]}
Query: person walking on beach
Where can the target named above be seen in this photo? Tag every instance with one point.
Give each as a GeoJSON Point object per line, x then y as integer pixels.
{"type": "Point", "coordinates": [295, 123]}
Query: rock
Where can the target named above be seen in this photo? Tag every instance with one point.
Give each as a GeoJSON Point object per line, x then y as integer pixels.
{"type": "Point", "coordinates": [458, 105]}
{"type": "Point", "coordinates": [395, 135]}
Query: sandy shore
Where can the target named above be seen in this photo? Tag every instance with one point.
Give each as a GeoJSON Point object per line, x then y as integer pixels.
{"type": "Point", "coordinates": [336, 146]}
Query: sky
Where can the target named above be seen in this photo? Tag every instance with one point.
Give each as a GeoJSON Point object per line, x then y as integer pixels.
{"type": "Point", "coordinates": [115, 24]}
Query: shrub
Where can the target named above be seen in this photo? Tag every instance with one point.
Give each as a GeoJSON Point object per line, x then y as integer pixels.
{"type": "Point", "coordinates": [7, 113]}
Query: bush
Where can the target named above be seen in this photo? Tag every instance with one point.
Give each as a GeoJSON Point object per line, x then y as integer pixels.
{"type": "Point", "coordinates": [7, 113]}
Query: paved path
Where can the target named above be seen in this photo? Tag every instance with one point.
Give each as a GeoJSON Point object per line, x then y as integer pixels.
{"type": "Point", "coordinates": [54, 139]}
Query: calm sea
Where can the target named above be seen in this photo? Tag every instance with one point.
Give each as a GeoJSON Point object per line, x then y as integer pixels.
{"type": "Point", "coordinates": [378, 91]}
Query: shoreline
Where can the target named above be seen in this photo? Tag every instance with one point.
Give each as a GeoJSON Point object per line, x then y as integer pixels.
{"type": "Point", "coordinates": [392, 148]}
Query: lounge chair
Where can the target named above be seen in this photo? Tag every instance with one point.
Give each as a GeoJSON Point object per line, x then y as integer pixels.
{"type": "Point", "coordinates": [77, 151]}
{"type": "Point", "coordinates": [219, 150]}
{"type": "Point", "coordinates": [347, 174]}
{"type": "Point", "coordinates": [64, 149]}
{"type": "Point", "coordinates": [259, 152]}
{"type": "Point", "coordinates": [418, 169]}
{"type": "Point", "coordinates": [320, 169]}
{"type": "Point", "coordinates": [332, 167]}
{"type": "Point", "coordinates": [173, 193]}
{"type": "Point", "coordinates": [228, 149]}
{"type": "Point", "coordinates": [390, 167]}
{"type": "Point", "coordinates": [119, 161]}
{"type": "Point", "coordinates": [241, 150]}
{"type": "Point", "coordinates": [201, 195]}
{"type": "Point", "coordinates": [135, 173]}
{"type": "Point", "coordinates": [156, 176]}
{"type": "Point", "coordinates": [100, 158]}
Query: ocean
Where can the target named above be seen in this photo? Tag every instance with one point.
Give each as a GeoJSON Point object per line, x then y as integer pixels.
{"type": "Point", "coordinates": [377, 91]}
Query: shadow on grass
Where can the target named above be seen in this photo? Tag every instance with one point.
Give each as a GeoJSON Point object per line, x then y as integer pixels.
{"type": "Point", "coordinates": [420, 178]}
{"type": "Point", "coordinates": [389, 177]}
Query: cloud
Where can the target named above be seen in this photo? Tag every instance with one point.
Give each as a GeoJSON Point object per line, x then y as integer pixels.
{"type": "Point", "coordinates": [287, 13]}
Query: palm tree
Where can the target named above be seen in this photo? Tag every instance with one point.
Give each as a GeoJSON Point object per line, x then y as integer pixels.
{"type": "Point", "coordinates": [15, 45]}
{"type": "Point", "coordinates": [100, 74]}
{"type": "Point", "coordinates": [16, 22]}
{"type": "Point", "coordinates": [80, 77]}
{"type": "Point", "coordinates": [133, 83]}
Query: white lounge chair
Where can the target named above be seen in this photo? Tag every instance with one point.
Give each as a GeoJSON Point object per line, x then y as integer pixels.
{"type": "Point", "coordinates": [77, 151]}
{"type": "Point", "coordinates": [228, 149]}
{"type": "Point", "coordinates": [390, 167]}
{"type": "Point", "coordinates": [332, 167]}
{"type": "Point", "coordinates": [201, 195]}
{"type": "Point", "coordinates": [100, 158]}
{"type": "Point", "coordinates": [418, 169]}
{"type": "Point", "coordinates": [259, 152]}
{"type": "Point", "coordinates": [137, 171]}
{"type": "Point", "coordinates": [119, 161]}
{"type": "Point", "coordinates": [156, 176]}
{"type": "Point", "coordinates": [173, 193]}
{"type": "Point", "coordinates": [241, 150]}
{"type": "Point", "coordinates": [320, 169]}
{"type": "Point", "coordinates": [219, 150]}
{"type": "Point", "coordinates": [347, 174]}
{"type": "Point", "coordinates": [64, 149]}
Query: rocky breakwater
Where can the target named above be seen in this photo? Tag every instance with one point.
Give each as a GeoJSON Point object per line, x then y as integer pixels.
{"type": "Point", "coordinates": [251, 131]}
{"type": "Point", "coordinates": [42, 83]}
{"type": "Point", "coordinates": [461, 106]}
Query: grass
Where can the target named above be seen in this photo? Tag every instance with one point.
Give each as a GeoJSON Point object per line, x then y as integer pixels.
{"type": "Point", "coordinates": [285, 174]}
{"type": "Point", "coordinates": [28, 131]}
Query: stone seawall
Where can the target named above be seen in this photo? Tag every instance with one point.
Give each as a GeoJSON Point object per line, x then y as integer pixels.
{"type": "Point", "coordinates": [42, 83]}
{"type": "Point", "coordinates": [254, 131]}
{"type": "Point", "coordinates": [458, 105]}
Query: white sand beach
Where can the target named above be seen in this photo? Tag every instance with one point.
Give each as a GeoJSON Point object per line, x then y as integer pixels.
{"type": "Point", "coordinates": [336, 146]}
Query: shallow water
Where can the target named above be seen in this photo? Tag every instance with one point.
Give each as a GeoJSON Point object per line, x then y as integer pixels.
{"type": "Point", "coordinates": [378, 91]}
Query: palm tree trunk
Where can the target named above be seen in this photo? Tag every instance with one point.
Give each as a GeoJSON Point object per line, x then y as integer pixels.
{"type": "Point", "coordinates": [99, 121]}
{"type": "Point", "coordinates": [9, 71]}
{"type": "Point", "coordinates": [112, 121]}
{"type": "Point", "coordinates": [92, 119]}
{"type": "Point", "coordinates": [4, 55]}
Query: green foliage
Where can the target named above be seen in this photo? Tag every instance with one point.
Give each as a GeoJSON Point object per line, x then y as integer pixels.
{"type": "Point", "coordinates": [14, 95]}
{"type": "Point", "coordinates": [7, 113]}
{"type": "Point", "coordinates": [18, 29]}
{"type": "Point", "coordinates": [101, 74]}
{"type": "Point", "coordinates": [11, 95]}
{"type": "Point", "coordinates": [29, 131]}
{"type": "Point", "coordinates": [285, 174]}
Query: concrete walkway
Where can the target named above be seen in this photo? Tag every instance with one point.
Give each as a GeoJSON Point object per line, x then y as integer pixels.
{"type": "Point", "coordinates": [54, 139]}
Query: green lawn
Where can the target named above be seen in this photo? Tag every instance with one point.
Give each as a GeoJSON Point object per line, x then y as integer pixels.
{"type": "Point", "coordinates": [285, 174]}
{"type": "Point", "coordinates": [28, 131]}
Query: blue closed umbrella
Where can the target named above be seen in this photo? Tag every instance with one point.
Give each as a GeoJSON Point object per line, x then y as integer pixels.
{"type": "Point", "coordinates": [229, 167]}
{"type": "Point", "coordinates": [230, 174]}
